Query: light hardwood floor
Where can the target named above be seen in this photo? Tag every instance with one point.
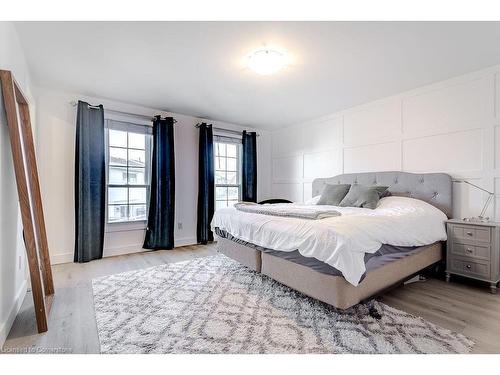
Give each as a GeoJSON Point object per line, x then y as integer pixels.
{"type": "Point", "coordinates": [460, 306]}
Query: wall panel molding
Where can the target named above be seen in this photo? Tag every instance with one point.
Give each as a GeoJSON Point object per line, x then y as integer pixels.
{"type": "Point", "coordinates": [457, 151]}
{"type": "Point", "coordinates": [451, 126]}
{"type": "Point", "coordinates": [370, 158]}
{"type": "Point", "coordinates": [456, 107]}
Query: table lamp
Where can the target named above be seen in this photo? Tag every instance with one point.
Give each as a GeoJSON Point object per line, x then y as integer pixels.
{"type": "Point", "coordinates": [481, 218]}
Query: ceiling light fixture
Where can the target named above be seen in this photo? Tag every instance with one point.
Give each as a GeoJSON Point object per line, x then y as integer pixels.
{"type": "Point", "coordinates": [266, 61]}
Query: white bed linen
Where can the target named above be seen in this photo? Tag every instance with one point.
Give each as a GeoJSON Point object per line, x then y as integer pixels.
{"type": "Point", "coordinates": [341, 241]}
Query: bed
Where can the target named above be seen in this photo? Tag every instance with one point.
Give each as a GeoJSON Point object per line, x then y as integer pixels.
{"type": "Point", "coordinates": [383, 264]}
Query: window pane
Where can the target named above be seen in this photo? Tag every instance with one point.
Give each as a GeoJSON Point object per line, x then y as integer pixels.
{"type": "Point", "coordinates": [220, 193]}
{"type": "Point", "coordinates": [117, 175]}
{"type": "Point", "coordinates": [231, 164]}
{"type": "Point", "coordinates": [117, 213]}
{"type": "Point", "coordinates": [137, 176]}
{"type": "Point", "coordinates": [117, 138]}
{"type": "Point", "coordinates": [220, 163]}
{"type": "Point", "coordinates": [220, 149]}
{"type": "Point", "coordinates": [220, 177]}
{"type": "Point", "coordinates": [137, 212]}
{"type": "Point", "coordinates": [231, 203]}
{"type": "Point", "coordinates": [136, 158]}
{"type": "Point", "coordinates": [231, 150]}
{"type": "Point", "coordinates": [231, 178]}
{"type": "Point", "coordinates": [117, 195]}
{"type": "Point", "coordinates": [232, 193]}
{"type": "Point", "coordinates": [117, 156]}
{"type": "Point", "coordinates": [137, 195]}
{"type": "Point", "coordinates": [136, 140]}
{"type": "Point", "coordinates": [220, 204]}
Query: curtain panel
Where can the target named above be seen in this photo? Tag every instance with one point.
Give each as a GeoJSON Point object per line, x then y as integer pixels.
{"type": "Point", "coordinates": [249, 167]}
{"type": "Point", "coordinates": [206, 188]}
{"type": "Point", "coordinates": [161, 215]}
{"type": "Point", "coordinates": [90, 183]}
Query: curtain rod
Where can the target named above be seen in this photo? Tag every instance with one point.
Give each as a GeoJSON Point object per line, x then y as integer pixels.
{"type": "Point", "coordinates": [74, 104]}
{"type": "Point", "coordinates": [226, 130]}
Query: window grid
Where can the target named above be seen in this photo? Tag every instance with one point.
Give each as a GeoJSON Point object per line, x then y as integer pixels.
{"type": "Point", "coordinates": [127, 186]}
{"type": "Point", "coordinates": [222, 159]}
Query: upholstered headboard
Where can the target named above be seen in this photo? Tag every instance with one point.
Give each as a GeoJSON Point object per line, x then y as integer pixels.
{"type": "Point", "coordinates": [433, 188]}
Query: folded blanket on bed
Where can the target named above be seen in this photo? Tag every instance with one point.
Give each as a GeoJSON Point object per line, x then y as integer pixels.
{"type": "Point", "coordinates": [287, 210]}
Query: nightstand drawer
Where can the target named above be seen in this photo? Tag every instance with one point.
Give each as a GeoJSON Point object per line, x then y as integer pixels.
{"type": "Point", "coordinates": [470, 233]}
{"type": "Point", "coordinates": [471, 251]}
{"type": "Point", "coordinates": [472, 268]}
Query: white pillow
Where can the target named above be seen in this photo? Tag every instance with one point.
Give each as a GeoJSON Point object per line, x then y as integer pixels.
{"type": "Point", "coordinates": [313, 200]}
{"type": "Point", "coordinates": [405, 202]}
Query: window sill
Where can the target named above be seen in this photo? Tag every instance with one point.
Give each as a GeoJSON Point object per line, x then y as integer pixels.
{"type": "Point", "coordinates": [126, 226]}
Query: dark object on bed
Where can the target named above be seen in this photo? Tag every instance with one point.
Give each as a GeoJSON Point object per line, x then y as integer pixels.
{"type": "Point", "coordinates": [274, 201]}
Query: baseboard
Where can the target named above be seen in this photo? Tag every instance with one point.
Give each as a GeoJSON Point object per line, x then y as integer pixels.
{"type": "Point", "coordinates": [61, 258]}
{"type": "Point", "coordinates": [18, 301]}
{"type": "Point", "coordinates": [186, 241]}
{"type": "Point", "coordinates": [120, 250]}
{"type": "Point", "coordinates": [123, 250]}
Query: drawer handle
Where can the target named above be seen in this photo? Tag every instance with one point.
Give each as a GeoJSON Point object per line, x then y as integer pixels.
{"type": "Point", "coordinates": [468, 250]}
{"type": "Point", "coordinates": [469, 233]}
{"type": "Point", "coordinates": [468, 266]}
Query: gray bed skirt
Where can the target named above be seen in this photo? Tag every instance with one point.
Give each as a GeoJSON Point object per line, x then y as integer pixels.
{"type": "Point", "coordinates": [326, 284]}
{"type": "Point", "coordinates": [383, 256]}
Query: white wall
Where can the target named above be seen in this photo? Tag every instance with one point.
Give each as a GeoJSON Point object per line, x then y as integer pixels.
{"type": "Point", "coordinates": [451, 126]}
{"type": "Point", "coordinates": [13, 269]}
{"type": "Point", "coordinates": [56, 164]}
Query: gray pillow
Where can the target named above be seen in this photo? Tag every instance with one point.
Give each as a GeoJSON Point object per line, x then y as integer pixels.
{"type": "Point", "coordinates": [333, 194]}
{"type": "Point", "coordinates": [363, 196]}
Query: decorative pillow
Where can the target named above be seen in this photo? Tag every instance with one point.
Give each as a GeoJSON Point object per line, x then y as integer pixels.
{"type": "Point", "coordinates": [363, 196]}
{"type": "Point", "coordinates": [332, 195]}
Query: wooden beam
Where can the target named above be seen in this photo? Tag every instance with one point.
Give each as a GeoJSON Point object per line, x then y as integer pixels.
{"type": "Point", "coordinates": [23, 190]}
{"type": "Point", "coordinates": [36, 197]}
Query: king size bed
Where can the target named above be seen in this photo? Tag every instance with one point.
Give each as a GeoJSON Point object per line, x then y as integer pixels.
{"type": "Point", "coordinates": [352, 254]}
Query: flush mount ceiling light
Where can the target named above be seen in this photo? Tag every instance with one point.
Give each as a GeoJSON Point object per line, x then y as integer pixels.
{"type": "Point", "coordinates": [266, 61]}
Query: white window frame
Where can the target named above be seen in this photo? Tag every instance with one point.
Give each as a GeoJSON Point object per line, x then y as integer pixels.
{"type": "Point", "coordinates": [228, 140]}
{"type": "Point", "coordinates": [128, 126]}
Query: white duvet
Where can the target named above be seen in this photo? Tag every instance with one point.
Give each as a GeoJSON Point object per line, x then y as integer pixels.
{"type": "Point", "coordinates": [340, 241]}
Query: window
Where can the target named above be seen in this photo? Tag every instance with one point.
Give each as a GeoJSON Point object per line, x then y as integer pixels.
{"type": "Point", "coordinates": [227, 171]}
{"type": "Point", "coordinates": [129, 163]}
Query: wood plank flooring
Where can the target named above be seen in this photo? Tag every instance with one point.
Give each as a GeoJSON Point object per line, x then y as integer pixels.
{"type": "Point", "coordinates": [461, 306]}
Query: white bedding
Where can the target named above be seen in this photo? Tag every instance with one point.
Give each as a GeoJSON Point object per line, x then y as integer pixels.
{"type": "Point", "coordinates": [341, 241]}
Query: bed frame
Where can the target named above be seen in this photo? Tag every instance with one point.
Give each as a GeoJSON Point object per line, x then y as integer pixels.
{"type": "Point", "coordinates": [433, 188]}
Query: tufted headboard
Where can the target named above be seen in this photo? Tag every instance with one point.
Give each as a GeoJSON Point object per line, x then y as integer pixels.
{"type": "Point", "coordinates": [433, 188]}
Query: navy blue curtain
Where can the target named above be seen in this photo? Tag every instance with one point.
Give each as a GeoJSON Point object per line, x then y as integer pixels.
{"type": "Point", "coordinates": [249, 167]}
{"type": "Point", "coordinates": [90, 183]}
{"type": "Point", "coordinates": [206, 189]}
{"type": "Point", "coordinates": [160, 229]}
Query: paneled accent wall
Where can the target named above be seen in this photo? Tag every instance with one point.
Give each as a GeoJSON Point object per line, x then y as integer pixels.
{"type": "Point", "coordinates": [451, 126]}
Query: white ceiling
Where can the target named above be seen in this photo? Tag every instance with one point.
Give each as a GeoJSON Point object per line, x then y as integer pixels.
{"type": "Point", "coordinates": [195, 68]}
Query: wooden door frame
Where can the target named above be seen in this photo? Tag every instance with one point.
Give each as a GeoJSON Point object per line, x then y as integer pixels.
{"type": "Point", "coordinates": [30, 200]}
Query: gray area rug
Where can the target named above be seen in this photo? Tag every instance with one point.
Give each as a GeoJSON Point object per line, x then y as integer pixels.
{"type": "Point", "coordinates": [215, 305]}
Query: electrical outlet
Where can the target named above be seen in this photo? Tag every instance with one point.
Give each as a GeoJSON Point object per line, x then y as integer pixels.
{"type": "Point", "coordinates": [179, 225]}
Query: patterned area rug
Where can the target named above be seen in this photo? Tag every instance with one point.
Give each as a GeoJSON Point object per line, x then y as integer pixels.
{"type": "Point", "coordinates": [215, 305]}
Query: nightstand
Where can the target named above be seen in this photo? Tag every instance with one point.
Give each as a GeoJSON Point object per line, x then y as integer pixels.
{"type": "Point", "coordinates": [473, 250]}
